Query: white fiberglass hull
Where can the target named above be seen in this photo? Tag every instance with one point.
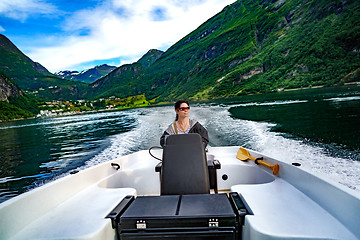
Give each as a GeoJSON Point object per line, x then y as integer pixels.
{"type": "Point", "coordinates": [291, 205]}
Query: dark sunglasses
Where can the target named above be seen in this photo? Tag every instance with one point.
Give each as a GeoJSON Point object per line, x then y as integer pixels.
{"type": "Point", "coordinates": [184, 108]}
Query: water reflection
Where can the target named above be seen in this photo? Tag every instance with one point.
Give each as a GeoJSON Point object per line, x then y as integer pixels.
{"type": "Point", "coordinates": [34, 151]}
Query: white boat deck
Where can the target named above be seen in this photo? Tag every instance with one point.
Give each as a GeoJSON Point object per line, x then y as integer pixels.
{"type": "Point", "coordinates": [283, 212]}
{"type": "Point", "coordinates": [76, 206]}
{"type": "Point", "coordinates": [80, 217]}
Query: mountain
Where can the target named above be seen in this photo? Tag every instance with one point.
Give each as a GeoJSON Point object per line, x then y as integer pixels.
{"type": "Point", "coordinates": [33, 77]}
{"type": "Point", "coordinates": [119, 81]}
{"type": "Point", "coordinates": [17, 66]}
{"type": "Point", "coordinates": [14, 104]}
{"type": "Point", "coordinates": [251, 46]}
{"type": "Point", "coordinates": [86, 76]}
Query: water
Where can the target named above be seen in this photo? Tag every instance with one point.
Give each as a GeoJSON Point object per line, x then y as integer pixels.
{"type": "Point", "coordinates": [318, 128]}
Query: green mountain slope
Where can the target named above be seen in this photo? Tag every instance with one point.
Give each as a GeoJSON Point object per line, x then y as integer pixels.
{"type": "Point", "coordinates": [150, 57]}
{"type": "Point", "coordinates": [255, 46]}
{"type": "Point", "coordinates": [121, 82]}
{"type": "Point", "coordinates": [31, 76]}
{"type": "Point", "coordinates": [124, 81]}
{"type": "Point", "coordinates": [15, 63]}
{"type": "Point", "coordinates": [18, 66]}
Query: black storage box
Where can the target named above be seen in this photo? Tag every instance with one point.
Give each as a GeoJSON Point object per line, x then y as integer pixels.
{"type": "Point", "coordinates": [196, 216]}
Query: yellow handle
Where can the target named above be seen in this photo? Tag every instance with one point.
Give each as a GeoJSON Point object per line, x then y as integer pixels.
{"type": "Point", "coordinates": [274, 168]}
{"type": "Point", "coordinates": [244, 155]}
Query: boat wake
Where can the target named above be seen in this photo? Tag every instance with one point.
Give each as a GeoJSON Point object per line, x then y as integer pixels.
{"type": "Point", "coordinates": [150, 124]}
{"type": "Point", "coordinates": [225, 130]}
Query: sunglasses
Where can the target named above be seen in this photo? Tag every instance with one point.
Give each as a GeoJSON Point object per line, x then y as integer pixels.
{"type": "Point", "coordinates": [184, 108]}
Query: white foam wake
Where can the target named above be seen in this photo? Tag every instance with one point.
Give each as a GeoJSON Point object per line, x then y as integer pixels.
{"type": "Point", "coordinates": [225, 130]}
{"type": "Point", "coordinates": [258, 136]}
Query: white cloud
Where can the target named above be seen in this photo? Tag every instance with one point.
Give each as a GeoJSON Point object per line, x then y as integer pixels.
{"type": "Point", "coordinates": [22, 9]}
{"type": "Point", "coordinates": [2, 29]}
{"type": "Point", "coordinates": [125, 29]}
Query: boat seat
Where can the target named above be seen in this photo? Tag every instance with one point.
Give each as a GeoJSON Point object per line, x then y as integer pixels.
{"type": "Point", "coordinates": [213, 166]}
{"type": "Point", "coordinates": [184, 167]}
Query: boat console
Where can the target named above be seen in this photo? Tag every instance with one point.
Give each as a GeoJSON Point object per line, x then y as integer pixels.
{"type": "Point", "coordinates": [185, 208]}
{"type": "Point", "coordinates": [192, 216]}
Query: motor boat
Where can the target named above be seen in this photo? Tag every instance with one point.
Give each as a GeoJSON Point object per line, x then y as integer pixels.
{"type": "Point", "coordinates": [184, 191]}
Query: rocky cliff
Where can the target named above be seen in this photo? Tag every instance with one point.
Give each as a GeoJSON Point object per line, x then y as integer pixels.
{"type": "Point", "coordinates": [8, 88]}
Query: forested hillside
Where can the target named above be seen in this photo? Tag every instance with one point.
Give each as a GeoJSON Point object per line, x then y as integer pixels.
{"type": "Point", "coordinates": [124, 79]}
{"type": "Point", "coordinates": [252, 47]}
{"type": "Point", "coordinates": [33, 77]}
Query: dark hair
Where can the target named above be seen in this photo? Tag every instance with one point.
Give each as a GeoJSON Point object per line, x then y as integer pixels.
{"type": "Point", "coordinates": [178, 104]}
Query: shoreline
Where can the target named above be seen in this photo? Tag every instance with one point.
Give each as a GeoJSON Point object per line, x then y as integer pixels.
{"type": "Point", "coordinates": [319, 86]}
{"type": "Point", "coordinates": [165, 103]}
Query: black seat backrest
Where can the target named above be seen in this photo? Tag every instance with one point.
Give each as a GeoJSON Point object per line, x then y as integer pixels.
{"type": "Point", "coordinates": [184, 166]}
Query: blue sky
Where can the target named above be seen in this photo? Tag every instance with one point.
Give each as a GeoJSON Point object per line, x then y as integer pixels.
{"type": "Point", "coordinates": [80, 34]}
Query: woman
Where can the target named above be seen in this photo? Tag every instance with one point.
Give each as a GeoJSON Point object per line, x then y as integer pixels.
{"type": "Point", "coordinates": [184, 125]}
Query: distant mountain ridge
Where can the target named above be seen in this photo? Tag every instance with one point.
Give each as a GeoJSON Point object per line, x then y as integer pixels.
{"type": "Point", "coordinates": [93, 74]}
{"type": "Point", "coordinates": [86, 76]}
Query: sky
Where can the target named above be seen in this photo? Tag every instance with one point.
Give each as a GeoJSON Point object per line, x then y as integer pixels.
{"type": "Point", "coordinates": [81, 34]}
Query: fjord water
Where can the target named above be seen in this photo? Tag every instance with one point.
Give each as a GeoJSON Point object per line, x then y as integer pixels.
{"type": "Point", "coordinates": [318, 128]}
